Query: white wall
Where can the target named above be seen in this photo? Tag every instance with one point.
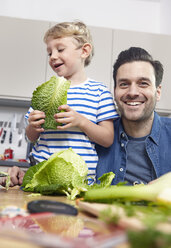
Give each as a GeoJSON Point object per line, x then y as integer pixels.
{"type": "Point", "coordinates": [165, 16]}
{"type": "Point", "coordinates": [139, 15]}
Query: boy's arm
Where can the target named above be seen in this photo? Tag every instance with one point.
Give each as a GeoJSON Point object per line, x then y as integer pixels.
{"type": "Point", "coordinates": [33, 130]}
{"type": "Point", "coordinates": [102, 134]}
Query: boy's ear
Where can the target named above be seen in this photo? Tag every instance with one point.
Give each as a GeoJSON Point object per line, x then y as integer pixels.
{"type": "Point", "coordinates": [86, 50]}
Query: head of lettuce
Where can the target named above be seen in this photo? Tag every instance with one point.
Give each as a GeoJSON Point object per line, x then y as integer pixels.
{"type": "Point", "coordinates": [64, 172]}
{"type": "Point", "coordinates": [48, 97]}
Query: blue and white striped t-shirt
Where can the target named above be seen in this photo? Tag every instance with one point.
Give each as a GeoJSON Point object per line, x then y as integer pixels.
{"type": "Point", "coordinates": [91, 99]}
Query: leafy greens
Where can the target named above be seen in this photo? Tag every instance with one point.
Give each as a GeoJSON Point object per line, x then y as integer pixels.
{"type": "Point", "coordinates": [158, 191]}
{"type": "Point", "coordinates": [64, 172]}
{"type": "Point", "coordinates": [48, 97]}
{"type": "Point", "coordinates": [7, 179]}
{"type": "Point", "coordinates": [144, 211]}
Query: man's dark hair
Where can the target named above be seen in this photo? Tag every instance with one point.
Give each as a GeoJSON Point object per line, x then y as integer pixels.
{"type": "Point", "coordinates": [138, 54]}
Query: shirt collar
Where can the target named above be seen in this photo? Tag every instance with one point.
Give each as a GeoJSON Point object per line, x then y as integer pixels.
{"type": "Point", "coordinates": [155, 131]}
{"type": "Point", "coordinates": [122, 134]}
{"type": "Point", "coordinates": [156, 127]}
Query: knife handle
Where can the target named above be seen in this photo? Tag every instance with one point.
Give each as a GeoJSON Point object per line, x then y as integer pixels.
{"type": "Point", "coordinates": [3, 137]}
{"type": "Point", "coordinates": [10, 138]}
{"type": "Point", "coordinates": [20, 140]}
{"type": "Point", "coordinates": [1, 131]}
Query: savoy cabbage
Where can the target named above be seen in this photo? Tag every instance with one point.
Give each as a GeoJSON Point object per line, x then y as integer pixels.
{"type": "Point", "coordinates": [65, 172]}
{"type": "Point", "coordinates": [48, 97]}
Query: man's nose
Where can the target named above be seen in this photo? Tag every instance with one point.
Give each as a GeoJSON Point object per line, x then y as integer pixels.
{"type": "Point", "coordinates": [133, 90]}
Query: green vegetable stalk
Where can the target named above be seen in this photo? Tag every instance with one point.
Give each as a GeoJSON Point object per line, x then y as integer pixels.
{"type": "Point", "coordinates": [158, 191]}
{"type": "Point", "coordinates": [48, 97]}
{"type": "Point", "coordinates": [7, 180]}
{"type": "Point", "coordinates": [153, 238]}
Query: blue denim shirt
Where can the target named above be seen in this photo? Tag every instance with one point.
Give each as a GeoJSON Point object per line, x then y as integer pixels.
{"type": "Point", "coordinates": [158, 147]}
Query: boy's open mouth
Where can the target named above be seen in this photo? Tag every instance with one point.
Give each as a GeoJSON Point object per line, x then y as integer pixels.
{"type": "Point", "coordinates": [58, 65]}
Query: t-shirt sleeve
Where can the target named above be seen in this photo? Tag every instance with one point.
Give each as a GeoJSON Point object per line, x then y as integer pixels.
{"type": "Point", "coordinates": [28, 112]}
{"type": "Point", "coordinates": [106, 108]}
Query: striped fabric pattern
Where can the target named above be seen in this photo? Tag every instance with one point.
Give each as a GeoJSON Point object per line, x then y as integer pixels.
{"type": "Point", "coordinates": [91, 99]}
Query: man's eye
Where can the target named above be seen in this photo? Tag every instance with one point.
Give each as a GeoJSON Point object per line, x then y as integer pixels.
{"type": "Point", "coordinates": [143, 83]}
{"type": "Point", "coordinates": [123, 85]}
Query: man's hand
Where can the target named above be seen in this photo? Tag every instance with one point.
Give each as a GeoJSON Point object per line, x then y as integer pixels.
{"type": "Point", "coordinates": [16, 176]}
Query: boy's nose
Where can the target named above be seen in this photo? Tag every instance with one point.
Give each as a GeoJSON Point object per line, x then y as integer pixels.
{"type": "Point", "coordinates": [54, 55]}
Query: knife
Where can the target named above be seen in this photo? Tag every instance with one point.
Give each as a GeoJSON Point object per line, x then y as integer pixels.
{"type": "Point", "coordinates": [4, 133]}
{"type": "Point", "coordinates": [1, 124]}
{"type": "Point", "coordinates": [20, 130]}
{"type": "Point", "coordinates": [10, 135]}
{"type": "Point", "coordinates": [13, 126]}
{"type": "Point", "coordinates": [39, 206]}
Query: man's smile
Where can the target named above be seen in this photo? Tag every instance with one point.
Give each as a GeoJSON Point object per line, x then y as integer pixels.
{"type": "Point", "coordinates": [133, 103]}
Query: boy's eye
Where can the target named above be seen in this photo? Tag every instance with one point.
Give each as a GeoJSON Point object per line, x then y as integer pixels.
{"type": "Point", "coordinates": [60, 50]}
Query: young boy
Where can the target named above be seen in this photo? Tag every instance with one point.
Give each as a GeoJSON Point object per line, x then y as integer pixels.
{"type": "Point", "coordinates": [88, 115]}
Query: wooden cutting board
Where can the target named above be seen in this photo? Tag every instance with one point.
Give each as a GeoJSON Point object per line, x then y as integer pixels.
{"type": "Point", "coordinates": [124, 221]}
{"type": "Point", "coordinates": [133, 223]}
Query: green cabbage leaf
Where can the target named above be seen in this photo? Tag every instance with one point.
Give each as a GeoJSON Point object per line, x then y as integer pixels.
{"type": "Point", "coordinates": [48, 97]}
{"type": "Point", "coordinates": [64, 172]}
{"type": "Point", "coordinates": [5, 174]}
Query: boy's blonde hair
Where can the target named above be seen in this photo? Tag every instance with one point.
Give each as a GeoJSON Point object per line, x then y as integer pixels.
{"type": "Point", "coordinates": [77, 30]}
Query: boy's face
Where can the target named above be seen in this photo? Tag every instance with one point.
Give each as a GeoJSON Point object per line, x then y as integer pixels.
{"type": "Point", "coordinates": [66, 57]}
{"type": "Point", "coordinates": [135, 93]}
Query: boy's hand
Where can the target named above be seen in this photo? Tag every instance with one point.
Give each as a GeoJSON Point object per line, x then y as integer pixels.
{"type": "Point", "coordinates": [36, 119]}
{"type": "Point", "coordinates": [70, 118]}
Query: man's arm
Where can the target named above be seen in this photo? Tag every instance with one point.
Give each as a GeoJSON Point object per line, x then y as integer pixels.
{"type": "Point", "coordinates": [16, 176]}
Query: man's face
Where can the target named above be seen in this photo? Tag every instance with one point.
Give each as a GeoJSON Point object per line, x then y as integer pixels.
{"type": "Point", "coordinates": [135, 93]}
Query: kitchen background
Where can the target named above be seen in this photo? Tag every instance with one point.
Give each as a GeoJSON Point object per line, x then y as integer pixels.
{"type": "Point", "coordinates": [12, 133]}
{"type": "Point", "coordinates": [115, 25]}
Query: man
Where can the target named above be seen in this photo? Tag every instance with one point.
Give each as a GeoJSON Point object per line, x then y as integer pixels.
{"type": "Point", "coordinates": [141, 151]}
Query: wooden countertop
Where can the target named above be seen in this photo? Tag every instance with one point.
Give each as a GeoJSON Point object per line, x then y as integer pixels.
{"type": "Point", "coordinates": [50, 230]}
{"type": "Point", "coordinates": [16, 196]}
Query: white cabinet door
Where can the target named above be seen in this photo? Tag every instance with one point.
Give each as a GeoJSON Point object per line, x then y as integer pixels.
{"type": "Point", "coordinates": [159, 47]}
{"type": "Point", "coordinates": [100, 66]}
{"type": "Point", "coordinates": [23, 57]}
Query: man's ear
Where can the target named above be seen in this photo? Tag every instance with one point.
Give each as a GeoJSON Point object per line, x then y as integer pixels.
{"type": "Point", "coordinates": [158, 92]}
{"type": "Point", "coordinates": [86, 50]}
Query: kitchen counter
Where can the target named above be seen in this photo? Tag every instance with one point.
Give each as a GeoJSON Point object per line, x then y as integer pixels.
{"type": "Point", "coordinates": [51, 230]}
{"type": "Point", "coordinates": [5, 164]}
{"type": "Point", "coordinates": [9, 163]}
